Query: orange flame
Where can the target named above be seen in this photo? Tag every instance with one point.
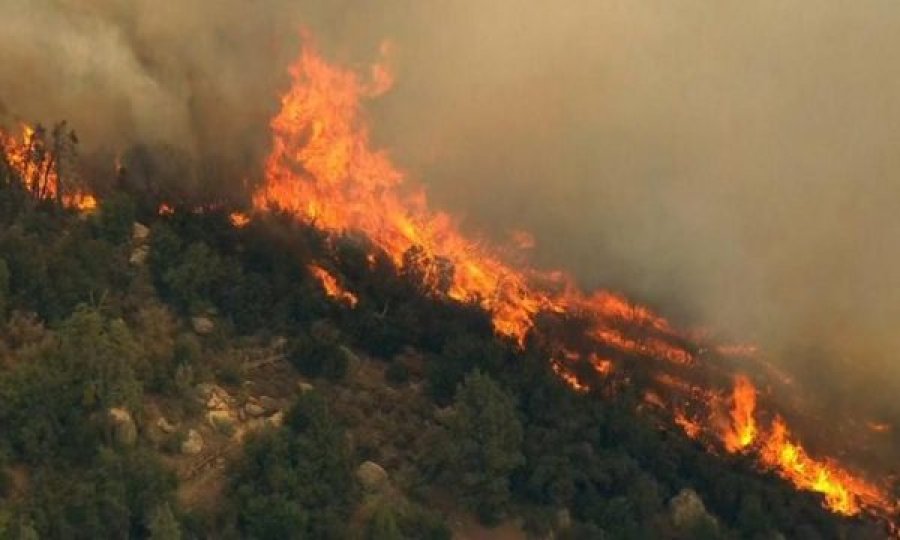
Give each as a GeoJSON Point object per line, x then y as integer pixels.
{"type": "Point", "coordinates": [37, 167]}
{"type": "Point", "coordinates": [331, 285]}
{"type": "Point", "coordinates": [844, 492]}
{"type": "Point", "coordinates": [238, 219]}
{"type": "Point", "coordinates": [742, 431]}
{"type": "Point", "coordinates": [322, 169]}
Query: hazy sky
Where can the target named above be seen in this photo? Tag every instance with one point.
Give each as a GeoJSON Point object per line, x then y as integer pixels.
{"type": "Point", "coordinates": [732, 163]}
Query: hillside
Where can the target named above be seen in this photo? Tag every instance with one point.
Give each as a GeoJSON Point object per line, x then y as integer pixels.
{"type": "Point", "coordinates": [187, 373]}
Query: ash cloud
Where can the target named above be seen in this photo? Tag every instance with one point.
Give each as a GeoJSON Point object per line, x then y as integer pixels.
{"type": "Point", "coordinates": [733, 163]}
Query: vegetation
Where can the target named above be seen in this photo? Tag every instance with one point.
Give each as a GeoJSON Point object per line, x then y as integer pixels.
{"type": "Point", "coordinates": [93, 347]}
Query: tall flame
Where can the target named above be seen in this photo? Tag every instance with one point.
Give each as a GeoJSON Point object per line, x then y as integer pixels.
{"type": "Point", "coordinates": [743, 430]}
{"type": "Point", "coordinates": [323, 170]}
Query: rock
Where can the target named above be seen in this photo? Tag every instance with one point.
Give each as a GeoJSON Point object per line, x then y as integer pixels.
{"type": "Point", "coordinates": [255, 424]}
{"type": "Point", "coordinates": [276, 420]}
{"type": "Point", "coordinates": [124, 429]}
{"type": "Point", "coordinates": [139, 256]}
{"type": "Point", "coordinates": [687, 509]}
{"type": "Point", "coordinates": [164, 425]}
{"type": "Point", "coordinates": [139, 233]}
{"type": "Point", "coordinates": [269, 404]}
{"type": "Point", "coordinates": [254, 409]}
{"type": "Point", "coordinates": [305, 387]}
{"type": "Point", "coordinates": [443, 415]}
{"type": "Point", "coordinates": [204, 390]}
{"type": "Point", "coordinates": [221, 421]}
{"type": "Point", "coordinates": [203, 325]}
{"type": "Point", "coordinates": [192, 444]}
{"type": "Point", "coordinates": [372, 476]}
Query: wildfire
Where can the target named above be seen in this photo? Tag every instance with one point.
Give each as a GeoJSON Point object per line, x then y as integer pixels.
{"type": "Point", "coordinates": [743, 430]}
{"type": "Point", "coordinates": [35, 160]}
{"type": "Point", "coordinates": [322, 169]}
{"type": "Point", "coordinates": [776, 449]}
{"type": "Point", "coordinates": [331, 285]}
{"type": "Point", "coordinates": [239, 219]}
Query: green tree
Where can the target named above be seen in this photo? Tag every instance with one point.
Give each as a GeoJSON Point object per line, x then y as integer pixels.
{"type": "Point", "coordinates": [296, 482]}
{"type": "Point", "coordinates": [483, 445]}
{"type": "Point", "coordinates": [163, 525]}
{"type": "Point", "coordinates": [116, 218]}
{"type": "Point", "coordinates": [4, 289]}
{"type": "Point", "coordinates": [383, 524]}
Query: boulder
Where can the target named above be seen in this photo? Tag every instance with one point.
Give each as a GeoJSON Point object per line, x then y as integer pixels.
{"type": "Point", "coordinates": [687, 509]}
{"type": "Point", "coordinates": [203, 325]}
{"type": "Point", "coordinates": [123, 426]}
{"type": "Point", "coordinates": [269, 404]}
{"type": "Point", "coordinates": [254, 409]}
{"type": "Point", "coordinates": [139, 256]}
{"type": "Point", "coordinates": [140, 233]}
{"type": "Point", "coordinates": [221, 421]}
{"type": "Point", "coordinates": [192, 444]}
{"type": "Point", "coordinates": [164, 425]}
{"type": "Point", "coordinates": [276, 420]}
{"type": "Point", "coordinates": [372, 476]}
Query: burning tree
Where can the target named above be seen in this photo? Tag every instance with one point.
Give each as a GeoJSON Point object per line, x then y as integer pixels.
{"type": "Point", "coordinates": [43, 164]}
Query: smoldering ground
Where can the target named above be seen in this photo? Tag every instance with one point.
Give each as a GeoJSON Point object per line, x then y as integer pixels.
{"type": "Point", "coordinates": [734, 164]}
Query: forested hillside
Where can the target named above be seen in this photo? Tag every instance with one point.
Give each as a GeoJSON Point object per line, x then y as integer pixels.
{"type": "Point", "coordinates": [169, 370]}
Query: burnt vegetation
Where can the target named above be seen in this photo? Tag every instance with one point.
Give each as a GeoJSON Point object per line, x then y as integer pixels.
{"type": "Point", "coordinates": [465, 423]}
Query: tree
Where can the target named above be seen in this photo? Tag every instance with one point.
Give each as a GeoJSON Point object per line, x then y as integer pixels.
{"type": "Point", "coordinates": [163, 525]}
{"type": "Point", "coordinates": [483, 445]}
{"type": "Point", "coordinates": [296, 482]}
{"type": "Point", "coordinates": [383, 525]}
{"type": "Point", "coordinates": [116, 218]}
{"type": "Point", "coordinates": [4, 289]}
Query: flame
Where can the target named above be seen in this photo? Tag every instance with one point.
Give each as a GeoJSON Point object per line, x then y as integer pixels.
{"type": "Point", "coordinates": [742, 431]}
{"type": "Point", "coordinates": [239, 219]}
{"type": "Point", "coordinates": [691, 427]}
{"type": "Point", "coordinates": [323, 169]}
{"type": "Point", "coordinates": [36, 166]}
{"type": "Point", "coordinates": [777, 449]}
{"type": "Point", "coordinates": [331, 285]}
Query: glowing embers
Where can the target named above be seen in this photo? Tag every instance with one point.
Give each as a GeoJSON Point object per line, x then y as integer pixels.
{"type": "Point", "coordinates": [331, 286]}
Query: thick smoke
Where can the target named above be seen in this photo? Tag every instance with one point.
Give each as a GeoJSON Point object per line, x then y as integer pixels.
{"type": "Point", "coordinates": [733, 163]}
{"type": "Point", "coordinates": [199, 76]}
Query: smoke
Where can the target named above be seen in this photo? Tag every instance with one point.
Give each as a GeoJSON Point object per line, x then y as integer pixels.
{"type": "Point", "coordinates": [199, 76]}
{"type": "Point", "coordinates": [732, 163]}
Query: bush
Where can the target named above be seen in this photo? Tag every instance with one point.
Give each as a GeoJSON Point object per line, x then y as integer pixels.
{"type": "Point", "coordinates": [397, 374]}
